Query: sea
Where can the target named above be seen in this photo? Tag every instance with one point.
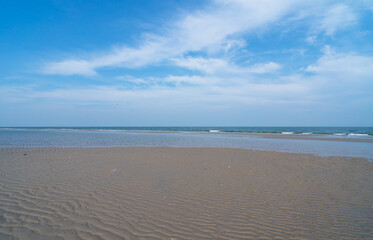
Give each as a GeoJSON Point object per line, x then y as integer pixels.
{"type": "Point", "coordinates": [229, 137]}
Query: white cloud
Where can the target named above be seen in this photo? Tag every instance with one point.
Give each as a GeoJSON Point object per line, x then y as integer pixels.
{"type": "Point", "coordinates": [264, 67]}
{"type": "Point", "coordinates": [245, 93]}
{"type": "Point", "coordinates": [343, 65]}
{"type": "Point", "coordinates": [341, 76]}
{"type": "Point", "coordinates": [217, 29]}
{"type": "Point", "coordinates": [208, 65]}
{"type": "Point", "coordinates": [338, 17]}
{"type": "Point", "coordinates": [69, 67]}
{"type": "Point", "coordinates": [331, 76]}
{"type": "Point", "coordinates": [311, 39]}
{"type": "Point", "coordinates": [195, 80]}
{"type": "Point", "coordinates": [214, 32]}
{"type": "Point", "coordinates": [131, 79]}
{"type": "Point", "coordinates": [230, 44]}
{"type": "Point", "coordinates": [213, 29]}
{"type": "Point", "coordinates": [216, 65]}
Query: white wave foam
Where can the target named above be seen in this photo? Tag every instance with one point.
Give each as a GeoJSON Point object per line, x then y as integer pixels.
{"type": "Point", "coordinates": [306, 133]}
{"type": "Point", "coordinates": [287, 133]}
{"type": "Point", "coordinates": [339, 134]}
{"type": "Point", "coordinates": [214, 131]}
{"type": "Point", "coordinates": [358, 134]}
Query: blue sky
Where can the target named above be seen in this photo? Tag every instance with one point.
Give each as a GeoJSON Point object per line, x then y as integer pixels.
{"type": "Point", "coordinates": [186, 63]}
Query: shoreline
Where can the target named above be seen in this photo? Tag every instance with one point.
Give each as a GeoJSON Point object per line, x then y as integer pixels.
{"type": "Point", "coordinates": [319, 137]}
{"type": "Point", "coordinates": [2, 148]}
{"type": "Point", "coordinates": [345, 137]}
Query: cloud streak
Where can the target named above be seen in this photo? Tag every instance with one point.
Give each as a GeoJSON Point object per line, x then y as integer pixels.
{"type": "Point", "coordinates": [332, 75]}
{"type": "Point", "coordinates": [214, 29]}
{"type": "Point", "coordinates": [338, 17]}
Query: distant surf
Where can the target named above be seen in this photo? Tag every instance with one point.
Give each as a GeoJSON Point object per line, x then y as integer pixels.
{"type": "Point", "coordinates": [358, 134]}
{"type": "Point", "coordinates": [334, 131]}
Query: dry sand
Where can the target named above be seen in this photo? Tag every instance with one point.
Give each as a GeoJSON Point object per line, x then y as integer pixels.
{"type": "Point", "coordinates": [182, 193]}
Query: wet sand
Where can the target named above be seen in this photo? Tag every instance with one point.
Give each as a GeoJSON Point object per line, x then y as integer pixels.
{"type": "Point", "coordinates": [182, 193]}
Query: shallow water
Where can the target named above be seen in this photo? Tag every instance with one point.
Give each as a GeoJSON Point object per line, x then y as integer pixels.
{"type": "Point", "coordinates": [114, 138]}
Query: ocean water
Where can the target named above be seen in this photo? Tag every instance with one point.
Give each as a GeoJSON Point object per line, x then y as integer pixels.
{"type": "Point", "coordinates": [360, 131]}
{"type": "Point", "coordinates": [193, 137]}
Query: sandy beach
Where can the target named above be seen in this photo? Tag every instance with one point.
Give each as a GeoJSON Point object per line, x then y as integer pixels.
{"type": "Point", "coordinates": [182, 193]}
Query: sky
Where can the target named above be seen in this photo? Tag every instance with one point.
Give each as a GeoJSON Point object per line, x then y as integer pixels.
{"type": "Point", "coordinates": [186, 63]}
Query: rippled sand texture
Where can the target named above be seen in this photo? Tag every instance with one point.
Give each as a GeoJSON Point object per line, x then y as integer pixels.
{"type": "Point", "coordinates": [182, 193]}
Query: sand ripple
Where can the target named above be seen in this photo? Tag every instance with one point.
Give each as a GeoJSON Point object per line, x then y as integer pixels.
{"type": "Point", "coordinates": [170, 193]}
